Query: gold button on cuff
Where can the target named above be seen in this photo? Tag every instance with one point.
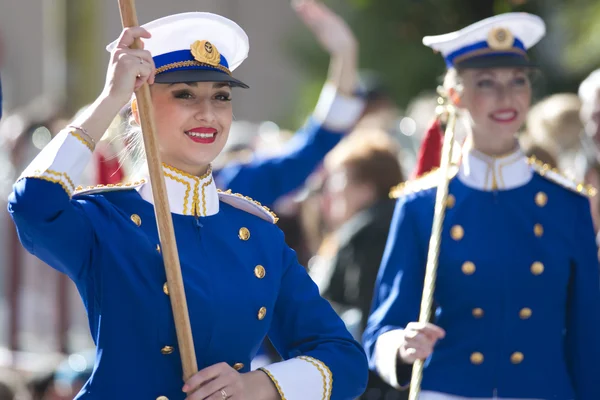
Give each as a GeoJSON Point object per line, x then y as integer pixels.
{"type": "Point", "coordinates": [244, 234]}
{"type": "Point", "coordinates": [167, 350]}
{"type": "Point", "coordinates": [537, 268]}
{"type": "Point", "coordinates": [525, 313]}
{"type": "Point", "coordinates": [457, 232]}
{"type": "Point", "coordinates": [541, 199]}
{"type": "Point", "coordinates": [158, 248]}
{"type": "Point", "coordinates": [136, 219]}
{"type": "Point", "coordinates": [468, 268]}
{"type": "Point", "coordinates": [162, 398]}
{"type": "Point", "coordinates": [476, 358]}
{"type": "Point", "coordinates": [450, 201]}
{"type": "Point", "coordinates": [259, 271]}
{"type": "Point", "coordinates": [238, 366]}
{"type": "Point", "coordinates": [262, 313]}
{"type": "Point", "coordinates": [517, 357]}
{"type": "Point", "coordinates": [166, 288]}
{"type": "Point", "coordinates": [538, 229]}
{"type": "Point", "coordinates": [478, 312]}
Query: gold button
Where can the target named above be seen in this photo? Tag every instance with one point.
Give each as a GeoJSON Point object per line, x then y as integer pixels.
{"type": "Point", "coordinates": [476, 358]}
{"type": "Point", "coordinates": [478, 312]}
{"type": "Point", "coordinates": [136, 219]}
{"type": "Point", "coordinates": [259, 271]}
{"type": "Point", "coordinates": [517, 357]}
{"type": "Point", "coordinates": [158, 248]}
{"type": "Point", "coordinates": [525, 313]}
{"type": "Point", "coordinates": [238, 366]}
{"type": "Point", "coordinates": [261, 313]}
{"type": "Point", "coordinates": [166, 288]}
{"type": "Point", "coordinates": [162, 398]}
{"type": "Point", "coordinates": [468, 268]}
{"type": "Point", "coordinates": [457, 232]}
{"type": "Point", "coordinates": [537, 268]}
{"type": "Point", "coordinates": [167, 350]}
{"type": "Point", "coordinates": [541, 199]}
{"type": "Point", "coordinates": [538, 229]}
{"type": "Point", "coordinates": [244, 234]}
{"type": "Point", "coordinates": [450, 201]}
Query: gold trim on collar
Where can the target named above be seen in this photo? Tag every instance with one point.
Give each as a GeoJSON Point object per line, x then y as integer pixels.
{"type": "Point", "coordinates": [180, 172]}
{"type": "Point", "coordinates": [197, 205]}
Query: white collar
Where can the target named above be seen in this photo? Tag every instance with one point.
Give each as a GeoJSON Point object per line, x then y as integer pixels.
{"type": "Point", "coordinates": [483, 172]}
{"type": "Point", "coordinates": [188, 194]}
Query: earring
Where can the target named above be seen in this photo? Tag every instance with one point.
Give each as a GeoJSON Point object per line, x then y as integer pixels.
{"type": "Point", "coordinates": [134, 106]}
{"type": "Point", "coordinates": [456, 99]}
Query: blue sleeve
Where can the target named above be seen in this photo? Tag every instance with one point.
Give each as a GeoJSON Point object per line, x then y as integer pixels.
{"type": "Point", "coordinates": [267, 179]}
{"type": "Point", "coordinates": [399, 285]}
{"type": "Point", "coordinates": [583, 322]}
{"type": "Point", "coordinates": [304, 324]}
{"type": "Point", "coordinates": [51, 226]}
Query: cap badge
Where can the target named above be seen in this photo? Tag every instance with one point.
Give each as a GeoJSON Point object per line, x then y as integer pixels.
{"type": "Point", "coordinates": [500, 39]}
{"type": "Point", "coordinates": [204, 52]}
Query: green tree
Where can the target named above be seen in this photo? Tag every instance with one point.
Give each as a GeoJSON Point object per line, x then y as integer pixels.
{"type": "Point", "coordinates": [390, 34]}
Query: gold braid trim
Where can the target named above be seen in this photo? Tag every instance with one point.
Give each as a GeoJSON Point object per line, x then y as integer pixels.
{"type": "Point", "coordinates": [322, 369]}
{"type": "Point", "coordinates": [485, 51]}
{"type": "Point", "coordinates": [61, 175]}
{"type": "Point", "coordinates": [196, 200]}
{"type": "Point", "coordinates": [270, 375]}
{"type": "Point", "coordinates": [180, 172]}
{"type": "Point", "coordinates": [554, 175]}
{"type": "Point", "coordinates": [110, 185]}
{"type": "Point", "coordinates": [188, 189]}
{"type": "Point", "coordinates": [181, 64]}
{"type": "Point", "coordinates": [426, 181]}
{"type": "Point", "coordinates": [82, 140]}
{"type": "Point", "coordinates": [267, 209]}
{"type": "Point", "coordinates": [204, 185]}
{"type": "Point", "coordinates": [55, 177]}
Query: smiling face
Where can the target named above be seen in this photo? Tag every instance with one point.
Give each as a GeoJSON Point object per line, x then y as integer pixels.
{"type": "Point", "coordinates": [497, 100]}
{"type": "Point", "coordinates": [192, 123]}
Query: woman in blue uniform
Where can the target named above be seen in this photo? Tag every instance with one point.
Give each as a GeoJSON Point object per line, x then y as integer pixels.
{"type": "Point", "coordinates": [241, 280]}
{"type": "Point", "coordinates": [517, 295]}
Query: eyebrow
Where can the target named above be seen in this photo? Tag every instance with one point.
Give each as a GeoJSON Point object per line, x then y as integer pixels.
{"type": "Point", "coordinates": [482, 73]}
{"type": "Point", "coordinates": [216, 85]}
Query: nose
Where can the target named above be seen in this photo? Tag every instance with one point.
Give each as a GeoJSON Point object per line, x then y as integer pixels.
{"type": "Point", "coordinates": [503, 95]}
{"type": "Point", "coordinates": [204, 111]}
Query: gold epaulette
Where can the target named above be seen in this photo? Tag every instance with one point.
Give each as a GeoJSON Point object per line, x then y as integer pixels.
{"type": "Point", "coordinates": [247, 204]}
{"type": "Point", "coordinates": [107, 188]}
{"type": "Point", "coordinates": [426, 181]}
{"type": "Point", "coordinates": [553, 175]}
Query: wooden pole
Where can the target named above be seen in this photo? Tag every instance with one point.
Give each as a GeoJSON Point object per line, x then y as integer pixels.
{"type": "Point", "coordinates": [163, 213]}
{"type": "Point", "coordinates": [441, 199]}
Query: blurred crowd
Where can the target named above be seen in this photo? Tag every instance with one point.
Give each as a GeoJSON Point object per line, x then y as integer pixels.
{"type": "Point", "coordinates": [337, 221]}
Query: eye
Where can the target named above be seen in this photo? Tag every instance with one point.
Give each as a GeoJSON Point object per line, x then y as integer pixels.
{"type": "Point", "coordinates": [485, 84]}
{"type": "Point", "coordinates": [223, 96]}
{"type": "Point", "coordinates": [520, 81]}
{"type": "Point", "coordinates": [183, 94]}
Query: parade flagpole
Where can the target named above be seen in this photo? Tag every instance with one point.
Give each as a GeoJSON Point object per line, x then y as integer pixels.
{"type": "Point", "coordinates": [163, 212]}
{"type": "Point", "coordinates": [441, 199]}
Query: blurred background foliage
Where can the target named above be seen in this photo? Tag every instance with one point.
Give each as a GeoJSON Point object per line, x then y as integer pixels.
{"type": "Point", "coordinates": [390, 33]}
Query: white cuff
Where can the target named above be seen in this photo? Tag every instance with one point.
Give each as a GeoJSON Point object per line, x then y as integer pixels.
{"type": "Point", "coordinates": [386, 356]}
{"type": "Point", "coordinates": [62, 161]}
{"type": "Point", "coordinates": [336, 111]}
{"type": "Point", "coordinates": [301, 378]}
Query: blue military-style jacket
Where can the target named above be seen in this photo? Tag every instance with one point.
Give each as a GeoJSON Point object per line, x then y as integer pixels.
{"type": "Point", "coordinates": [517, 291]}
{"type": "Point", "coordinates": [242, 281]}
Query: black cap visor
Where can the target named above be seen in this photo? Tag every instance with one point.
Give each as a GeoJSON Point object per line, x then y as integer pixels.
{"type": "Point", "coordinates": [198, 75]}
{"type": "Point", "coordinates": [496, 61]}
